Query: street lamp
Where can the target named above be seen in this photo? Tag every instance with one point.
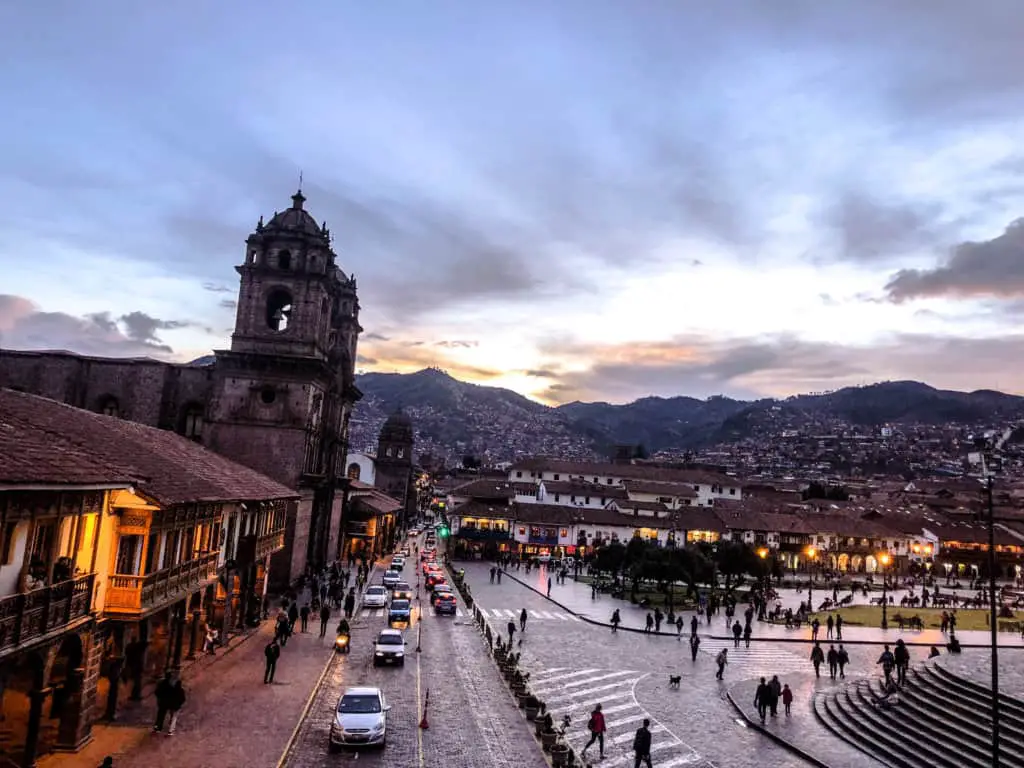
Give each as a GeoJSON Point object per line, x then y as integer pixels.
{"type": "Point", "coordinates": [811, 554]}
{"type": "Point", "coordinates": [884, 559]}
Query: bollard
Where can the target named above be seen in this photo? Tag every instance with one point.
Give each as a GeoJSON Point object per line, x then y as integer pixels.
{"type": "Point", "coordinates": [426, 703]}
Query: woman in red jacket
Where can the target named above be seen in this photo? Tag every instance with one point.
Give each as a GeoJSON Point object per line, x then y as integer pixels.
{"type": "Point", "coordinates": [597, 729]}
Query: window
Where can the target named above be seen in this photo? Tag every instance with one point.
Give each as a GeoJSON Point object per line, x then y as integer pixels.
{"type": "Point", "coordinates": [586, 499]}
{"type": "Point", "coordinates": [564, 533]}
{"type": "Point", "coordinates": [519, 474]}
{"type": "Point", "coordinates": [572, 499]}
{"type": "Point", "coordinates": [268, 395]}
{"type": "Point", "coordinates": [284, 260]}
{"type": "Point", "coordinates": [401, 453]}
{"type": "Point", "coordinates": [354, 470]}
{"type": "Point", "coordinates": [109, 406]}
{"type": "Point", "coordinates": [8, 544]}
{"type": "Point", "coordinates": [193, 425]}
{"type": "Point", "coordinates": [557, 477]}
{"type": "Point", "coordinates": [127, 552]}
{"type": "Point", "coordinates": [595, 480]}
{"type": "Point", "coordinates": [610, 482]}
{"type": "Point", "coordinates": [732, 491]}
{"type": "Point", "coordinates": [557, 497]}
{"type": "Point", "coordinates": [279, 309]}
{"type": "Point", "coordinates": [389, 451]}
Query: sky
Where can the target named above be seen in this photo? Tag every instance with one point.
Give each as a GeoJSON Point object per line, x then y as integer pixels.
{"type": "Point", "coordinates": [581, 200]}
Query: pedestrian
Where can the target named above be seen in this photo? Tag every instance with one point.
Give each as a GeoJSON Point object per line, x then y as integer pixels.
{"type": "Point", "coordinates": [281, 630]}
{"type": "Point", "coordinates": [293, 616]}
{"type": "Point", "coordinates": [693, 626]}
{"type": "Point", "coordinates": [817, 657]}
{"type": "Point", "coordinates": [272, 652]}
{"type": "Point", "coordinates": [304, 617]}
{"type": "Point", "coordinates": [522, 620]}
{"type": "Point", "coordinates": [176, 700]}
{"type": "Point", "coordinates": [642, 744]}
{"type": "Point", "coordinates": [775, 689]}
{"type": "Point", "coordinates": [761, 696]}
{"type": "Point", "coordinates": [325, 616]}
{"type": "Point", "coordinates": [747, 630]}
{"type": "Point", "coordinates": [511, 632]}
{"type": "Point", "coordinates": [839, 626]}
{"type": "Point", "coordinates": [549, 586]}
{"type": "Point", "coordinates": [721, 660]}
{"type": "Point", "coordinates": [815, 626]}
{"type": "Point", "coordinates": [658, 618]}
{"type": "Point", "coordinates": [597, 728]}
{"type": "Point", "coordinates": [888, 661]}
{"type": "Point", "coordinates": [901, 657]}
{"type": "Point", "coordinates": [650, 624]}
{"type": "Point", "coordinates": [679, 627]}
{"type": "Point", "coordinates": [163, 701]}
{"type": "Point", "coordinates": [499, 575]}
{"type": "Point", "coordinates": [829, 626]}
{"type": "Point", "coordinates": [833, 661]}
{"type": "Point", "coordinates": [694, 646]}
{"type": "Point", "coordinates": [350, 603]}
{"type": "Point", "coordinates": [843, 659]}
{"type": "Point", "coordinates": [493, 569]}
{"type": "Point", "coordinates": [737, 630]}
{"type": "Point", "coordinates": [616, 620]}
{"type": "Point", "coordinates": [787, 698]}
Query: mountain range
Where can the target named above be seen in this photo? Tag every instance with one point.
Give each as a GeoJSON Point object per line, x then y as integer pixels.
{"type": "Point", "coordinates": [456, 418]}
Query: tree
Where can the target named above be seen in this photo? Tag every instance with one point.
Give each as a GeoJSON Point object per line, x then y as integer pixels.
{"type": "Point", "coordinates": [609, 558]}
{"type": "Point", "coordinates": [734, 558]}
{"type": "Point", "coordinates": [640, 452]}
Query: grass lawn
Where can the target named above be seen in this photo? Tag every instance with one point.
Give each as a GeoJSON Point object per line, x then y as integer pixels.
{"type": "Point", "coordinates": [871, 616]}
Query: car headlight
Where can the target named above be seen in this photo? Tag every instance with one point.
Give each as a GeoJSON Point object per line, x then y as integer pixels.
{"type": "Point", "coordinates": [379, 653]}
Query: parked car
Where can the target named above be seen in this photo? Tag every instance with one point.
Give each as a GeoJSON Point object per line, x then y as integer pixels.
{"type": "Point", "coordinates": [399, 612]}
{"type": "Point", "coordinates": [375, 597]}
{"type": "Point", "coordinates": [360, 718]}
{"type": "Point", "coordinates": [391, 578]}
{"type": "Point", "coordinates": [389, 648]}
{"type": "Point", "coordinates": [445, 603]}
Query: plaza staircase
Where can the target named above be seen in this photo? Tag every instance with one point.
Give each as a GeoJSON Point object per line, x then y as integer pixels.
{"type": "Point", "coordinates": [941, 721]}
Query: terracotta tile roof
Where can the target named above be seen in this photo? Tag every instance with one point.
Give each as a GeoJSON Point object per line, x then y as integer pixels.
{"type": "Point", "coordinates": [525, 489]}
{"type": "Point", "coordinates": [69, 444]}
{"type": "Point", "coordinates": [660, 488]}
{"type": "Point", "coordinates": [628, 505]}
{"type": "Point", "coordinates": [580, 488]}
{"type": "Point", "coordinates": [588, 469]}
{"type": "Point", "coordinates": [484, 489]}
{"type": "Point", "coordinates": [483, 509]}
{"type": "Point", "coordinates": [701, 519]}
{"type": "Point", "coordinates": [378, 503]}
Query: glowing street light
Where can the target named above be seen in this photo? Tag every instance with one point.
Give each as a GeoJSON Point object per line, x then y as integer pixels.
{"type": "Point", "coordinates": [884, 559]}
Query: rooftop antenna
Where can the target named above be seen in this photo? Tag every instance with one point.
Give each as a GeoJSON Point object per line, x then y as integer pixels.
{"type": "Point", "coordinates": [300, 180]}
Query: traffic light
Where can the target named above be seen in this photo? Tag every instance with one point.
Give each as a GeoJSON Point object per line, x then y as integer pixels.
{"type": "Point", "coordinates": [442, 532]}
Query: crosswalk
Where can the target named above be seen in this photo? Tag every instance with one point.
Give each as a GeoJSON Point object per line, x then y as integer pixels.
{"type": "Point", "coordinates": [759, 659]}
{"type": "Point", "coordinates": [576, 691]}
{"type": "Point", "coordinates": [503, 614]}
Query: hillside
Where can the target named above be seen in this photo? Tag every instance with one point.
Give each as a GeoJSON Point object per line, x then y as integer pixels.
{"type": "Point", "coordinates": [454, 418]}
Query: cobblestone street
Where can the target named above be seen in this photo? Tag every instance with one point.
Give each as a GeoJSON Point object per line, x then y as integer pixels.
{"type": "Point", "coordinates": [473, 722]}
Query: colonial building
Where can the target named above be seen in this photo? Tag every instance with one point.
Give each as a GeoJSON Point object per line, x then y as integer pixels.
{"type": "Point", "coordinates": [394, 471]}
{"type": "Point", "coordinates": [118, 543]}
{"type": "Point", "coordinates": [277, 401]}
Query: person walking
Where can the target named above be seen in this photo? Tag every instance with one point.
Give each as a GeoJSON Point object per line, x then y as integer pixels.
{"type": "Point", "coordinates": [549, 586]}
{"type": "Point", "coordinates": [815, 626]}
{"type": "Point", "coordinates": [522, 620]}
{"type": "Point", "coordinates": [511, 631]}
{"type": "Point", "coordinates": [829, 626]}
{"type": "Point", "coordinates": [775, 690]}
{"type": "Point", "coordinates": [163, 701]}
{"type": "Point", "coordinates": [888, 661]}
{"type": "Point", "coordinates": [679, 627]}
{"type": "Point", "coordinates": [694, 646]}
{"type": "Point", "coordinates": [642, 744]}
{"type": "Point", "coordinates": [843, 658]}
{"type": "Point", "coordinates": [272, 653]}
{"type": "Point", "coordinates": [498, 575]}
{"type": "Point", "coordinates": [175, 701]}
{"type": "Point", "coordinates": [817, 657]}
{"type": "Point", "coordinates": [493, 569]}
{"type": "Point", "coordinates": [293, 616]}
{"type": "Point", "coordinates": [737, 630]}
{"type": "Point", "coordinates": [325, 616]}
{"type": "Point", "coordinates": [693, 626]}
{"type": "Point", "coordinates": [597, 728]}
{"type": "Point", "coordinates": [721, 660]}
{"type": "Point", "coordinates": [616, 620]}
{"type": "Point", "coordinates": [650, 624]}
{"type": "Point", "coordinates": [350, 602]}
{"type": "Point", "coordinates": [787, 698]}
{"type": "Point", "coordinates": [761, 696]}
{"type": "Point", "coordinates": [304, 617]}
{"type": "Point", "coordinates": [839, 626]}
{"type": "Point", "coordinates": [901, 657]}
{"type": "Point", "coordinates": [833, 661]}
{"type": "Point", "coordinates": [747, 630]}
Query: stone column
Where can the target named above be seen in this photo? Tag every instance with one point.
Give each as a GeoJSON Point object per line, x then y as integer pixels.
{"type": "Point", "coordinates": [36, 700]}
{"type": "Point", "coordinates": [75, 729]}
{"type": "Point", "coordinates": [193, 638]}
{"type": "Point", "coordinates": [179, 635]}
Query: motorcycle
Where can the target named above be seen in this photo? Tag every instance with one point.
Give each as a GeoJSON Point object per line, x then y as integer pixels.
{"type": "Point", "coordinates": [342, 643]}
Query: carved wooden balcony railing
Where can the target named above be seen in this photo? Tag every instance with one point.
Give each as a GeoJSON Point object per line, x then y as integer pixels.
{"type": "Point", "coordinates": [30, 615]}
{"type": "Point", "coordinates": [271, 542]}
{"type": "Point", "coordinates": [136, 594]}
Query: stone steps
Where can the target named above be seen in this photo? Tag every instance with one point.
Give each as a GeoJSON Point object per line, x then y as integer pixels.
{"type": "Point", "coordinates": [941, 721]}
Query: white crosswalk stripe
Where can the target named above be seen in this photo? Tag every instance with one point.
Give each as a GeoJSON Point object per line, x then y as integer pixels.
{"type": "Point", "coordinates": [576, 691]}
{"type": "Point", "coordinates": [758, 659]}
{"type": "Point", "coordinates": [504, 614]}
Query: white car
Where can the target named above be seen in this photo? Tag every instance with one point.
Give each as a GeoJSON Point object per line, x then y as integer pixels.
{"type": "Point", "coordinates": [361, 718]}
{"type": "Point", "coordinates": [391, 578]}
{"type": "Point", "coordinates": [389, 648]}
{"type": "Point", "coordinates": [397, 563]}
{"type": "Point", "coordinates": [375, 597]}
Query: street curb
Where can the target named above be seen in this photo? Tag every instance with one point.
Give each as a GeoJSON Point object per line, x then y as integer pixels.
{"type": "Point", "coordinates": [774, 736]}
{"type": "Point", "coordinates": [802, 640]}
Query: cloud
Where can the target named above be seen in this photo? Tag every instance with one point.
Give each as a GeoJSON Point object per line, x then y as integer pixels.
{"type": "Point", "coordinates": [403, 356]}
{"type": "Point", "coordinates": [457, 344]}
{"type": "Point", "coordinates": [992, 268]}
{"type": "Point", "coordinates": [214, 288]}
{"type": "Point", "coordinates": [778, 367]}
{"type": "Point", "coordinates": [227, 304]}
{"type": "Point", "coordinates": [24, 326]}
{"type": "Point", "coordinates": [870, 229]}
{"type": "Point", "coordinates": [374, 337]}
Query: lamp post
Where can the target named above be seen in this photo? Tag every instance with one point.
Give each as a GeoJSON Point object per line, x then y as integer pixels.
{"type": "Point", "coordinates": [811, 554]}
{"type": "Point", "coordinates": [883, 560]}
{"type": "Point", "coordinates": [993, 618]}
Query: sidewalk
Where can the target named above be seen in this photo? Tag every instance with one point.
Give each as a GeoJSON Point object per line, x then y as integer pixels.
{"type": "Point", "coordinates": [576, 598]}
{"type": "Point", "coordinates": [230, 717]}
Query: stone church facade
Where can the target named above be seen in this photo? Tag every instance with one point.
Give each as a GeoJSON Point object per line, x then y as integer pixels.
{"type": "Point", "coordinates": [278, 401]}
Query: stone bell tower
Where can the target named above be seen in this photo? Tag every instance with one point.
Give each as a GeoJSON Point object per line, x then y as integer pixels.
{"type": "Point", "coordinates": [284, 391]}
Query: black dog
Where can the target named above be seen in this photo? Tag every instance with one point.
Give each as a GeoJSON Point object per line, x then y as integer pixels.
{"type": "Point", "coordinates": [673, 681]}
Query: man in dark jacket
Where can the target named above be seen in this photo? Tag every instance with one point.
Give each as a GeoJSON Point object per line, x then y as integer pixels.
{"type": "Point", "coordinates": [325, 616]}
{"type": "Point", "coordinates": [642, 745]}
{"type": "Point", "coordinates": [163, 700]}
{"type": "Point", "coordinates": [272, 652]}
{"type": "Point", "coordinates": [902, 658]}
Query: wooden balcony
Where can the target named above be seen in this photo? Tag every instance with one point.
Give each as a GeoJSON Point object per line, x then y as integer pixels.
{"type": "Point", "coordinates": [269, 543]}
{"type": "Point", "coordinates": [142, 594]}
{"type": "Point", "coordinates": [31, 615]}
